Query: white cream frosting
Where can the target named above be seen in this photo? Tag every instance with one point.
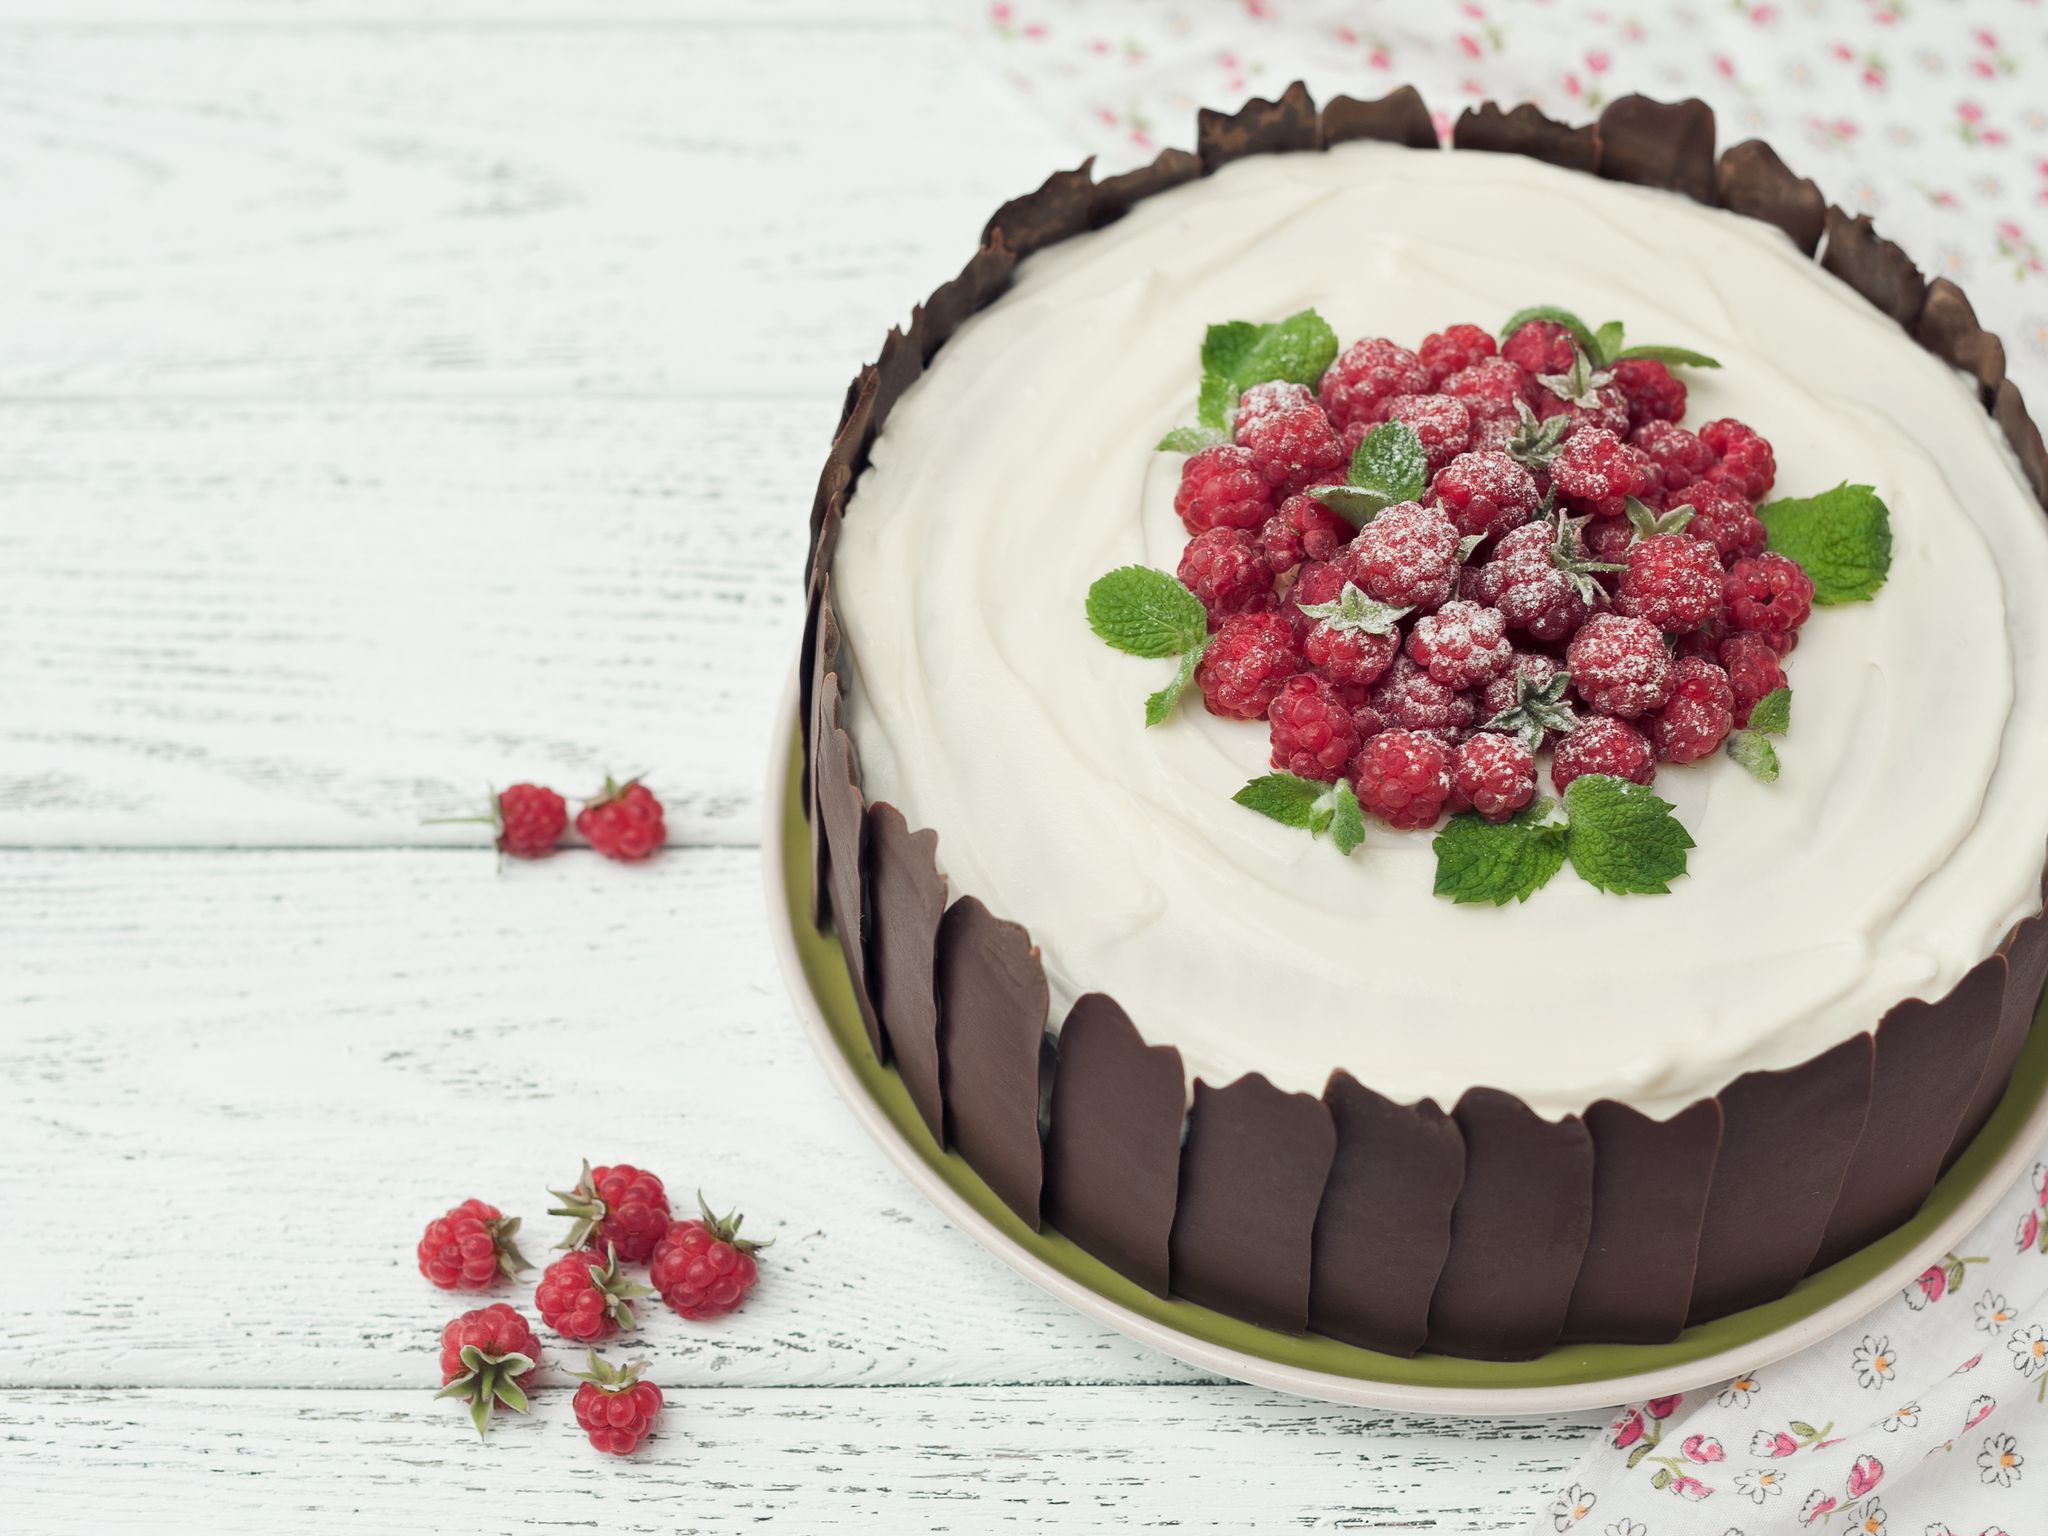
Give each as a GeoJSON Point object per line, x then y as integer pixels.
{"type": "Point", "coordinates": [1904, 838]}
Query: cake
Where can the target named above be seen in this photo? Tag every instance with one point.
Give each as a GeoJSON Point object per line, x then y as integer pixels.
{"type": "Point", "coordinates": [1331, 1088]}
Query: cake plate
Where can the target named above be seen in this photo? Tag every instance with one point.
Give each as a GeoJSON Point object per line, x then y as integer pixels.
{"type": "Point", "coordinates": [1569, 1378]}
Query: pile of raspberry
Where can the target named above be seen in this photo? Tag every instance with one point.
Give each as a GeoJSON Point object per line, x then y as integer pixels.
{"type": "Point", "coordinates": [1667, 652]}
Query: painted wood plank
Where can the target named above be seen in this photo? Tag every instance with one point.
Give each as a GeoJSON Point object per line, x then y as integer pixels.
{"type": "Point", "coordinates": [1221, 1458]}
{"type": "Point", "coordinates": [473, 15]}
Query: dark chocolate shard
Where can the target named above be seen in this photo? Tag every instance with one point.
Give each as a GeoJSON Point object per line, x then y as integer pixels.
{"type": "Point", "coordinates": [1650, 1182]}
{"type": "Point", "coordinates": [1399, 117]}
{"type": "Point", "coordinates": [2025, 951]}
{"type": "Point", "coordinates": [1786, 1141]}
{"type": "Point", "coordinates": [1251, 1177]}
{"type": "Point", "coordinates": [1930, 1057]}
{"type": "Point", "coordinates": [1861, 257]}
{"type": "Point", "coordinates": [1526, 131]}
{"type": "Point", "coordinates": [1259, 127]}
{"type": "Point", "coordinates": [1114, 197]}
{"type": "Point", "coordinates": [844, 816]}
{"type": "Point", "coordinates": [1057, 211]}
{"type": "Point", "coordinates": [848, 455]}
{"type": "Point", "coordinates": [2010, 409]}
{"type": "Point", "coordinates": [1384, 1225]}
{"type": "Point", "coordinates": [1112, 1147]}
{"type": "Point", "coordinates": [1754, 182]}
{"type": "Point", "coordinates": [992, 1005]}
{"type": "Point", "coordinates": [1667, 144]}
{"type": "Point", "coordinates": [1948, 328]}
{"type": "Point", "coordinates": [1518, 1232]}
{"type": "Point", "coordinates": [898, 367]}
{"type": "Point", "coordinates": [824, 659]}
{"type": "Point", "coordinates": [980, 282]}
{"type": "Point", "coordinates": [906, 900]}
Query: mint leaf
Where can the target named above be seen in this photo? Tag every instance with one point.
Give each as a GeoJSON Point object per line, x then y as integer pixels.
{"type": "Point", "coordinates": [1581, 332]}
{"type": "Point", "coordinates": [1347, 819]}
{"type": "Point", "coordinates": [1353, 610]}
{"type": "Point", "coordinates": [1772, 714]}
{"type": "Point", "coordinates": [1606, 343]}
{"type": "Point", "coordinates": [1159, 705]}
{"type": "Point", "coordinates": [1240, 353]}
{"type": "Point", "coordinates": [1622, 838]}
{"type": "Point", "coordinates": [1388, 467]}
{"type": "Point", "coordinates": [1498, 862]}
{"type": "Point", "coordinates": [1190, 440]}
{"type": "Point", "coordinates": [1754, 751]}
{"type": "Point", "coordinates": [1671, 357]}
{"type": "Point", "coordinates": [1315, 807]}
{"type": "Point", "coordinates": [1843, 537]}
{"type": "Point", "coordinates": [1144, 612]}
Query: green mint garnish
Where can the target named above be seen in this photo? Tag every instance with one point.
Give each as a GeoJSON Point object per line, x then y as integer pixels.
{"type": "Point", "coordinates": [1605, 346]}
{"type": "Point", "coordinates": [1623, 838]}
{"type": "Point", "coordinates": [1191, 440]}
{"type": "Point", "coordinates": [1751, 746]}
{"type": "Point", "coordinates": [1843, 537]}
{"type": "Point", "coordinates": [1354, 611]}
{"type": "Point", "coordinates": [1648, 522]}
{"type": "Point", "coordinates": [1670, 357]}
{"type": "Point", "coordinates": [1581, 332]}
{"type": "Point", "coordinates": [1387, 468]}
{"type": "Point", "coordinates": [1239, 353]}
{"type": "Point", "coordinates": [1498, 862]}
{"type": "Point", "coordinates": [1539, 708]}
{"type": "Point", "coordinates": [1310, 804]}
{"type": "Point", "coordinates": [1143, 612]}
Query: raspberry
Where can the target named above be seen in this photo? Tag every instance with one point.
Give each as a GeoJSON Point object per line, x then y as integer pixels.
{"type": "Point", "coordinates": [1609, 539]}
{"type": "Point", "coordinates": [1485, 493]}
{"type": "Point", "coordinates": [1722, 517]}
{"type": "Point", "coordinates": [1619, 665]}
{"type": "Point", "coordinates": [530, 820]}
{"type": "Point", "coordinates": [1491, 390]}
{"type": "Point", "coordinates": [1527, 585]}
{"type": "Point", "coordinates": [1673, 580]}
{"type": "Point", "coordinates": [1769, 593]}
{"type": "Point", "coordinates": [1403, 777]}
{"type": "Point", "coordinates": [1314, 734]}
{"type": "Point", "coordinates": [624, 822]}
{"type": "Point", "coordinates": [1653, 393]}
{"type": "Point", "coordinates": [1410, 699]}
{"type": "Point", "coordinates": [506, 1353]}
{"type": "Point", "coordinates": [1226, 568]}
{"type": "Point", "coordinates": [614, 1406]}
{"type": "Point", "coordinates": [1365, 373]}
{"type": "Point", "coordinates": [704, 1268]}
{"type": "Point", "coordinates": [1596, 472]}
{"type": "Point", "coordinates": [1753, 671]}
{"type": "Point", "coordinates": [1408, 556]}
{"type": "Point", "coordinates": [1747, 462]}
{"type": "Point", "coordinates": [470, 1247]}
{"type": "Point", "coordinates": [1540, 347]}
{"type": "Point", "coordinates": [1442, 423]}
{"type": "Point", "coordinates": [1291, 441]}
{"type": "Point", "coordinates": [1249, 657]}
{"type": "Point", "coordinates": [1680, 457]}
{"type": "Point", "coordinates": [1221, 487]}
{"type": "Point", "coordinates": [1350, 658]}
{"type": "Point", "coordinates": [1370, 722]}
{"type": "Point", "coordinates": [1699, 715]}
{"type": "Point", "coordinates": [618, 1207]}
{"type": "Point", "coordinates": [1462, 644]}
{"type": "Point", "coordinates": [1603, 745]}
{"type": "Point", "coordinates": [1601, 406]}
{"type": "Point", "coordinates": [584, 1300]}
{"type": "Point", "coordinates": [1492, 774]}
{"type": "Point", "coordinates": [1454, 348]}
{"type": "Point", "coordinates": [1303, 529]}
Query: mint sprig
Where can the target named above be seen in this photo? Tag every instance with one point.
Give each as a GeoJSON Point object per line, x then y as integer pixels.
{"type": "Point", "coordinates": [1842, 537]}
{"type": "Point", "coordinates": [1607, 345]}
{"type": "Point", "coordinates": [1143, 612]}
{"type": "Point", "coordinates": [1316, 807]}
{"type": "Point", "coordinates": [1240, 353]}
{"type": "Point", "coordinates": [1191, 440]}
{"type": "Point", "coordinates": [1770, 716]}
{"type": "Point", "coordinates": [1481, 861]}
{"type": "Point", "coordinates": [1616, 836]}
{"type": "Point", "coordinates": [1388, 467]}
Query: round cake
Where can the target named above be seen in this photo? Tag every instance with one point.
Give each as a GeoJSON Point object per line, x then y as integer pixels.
{"type": "Point", "coordinates": [1336, 1088]}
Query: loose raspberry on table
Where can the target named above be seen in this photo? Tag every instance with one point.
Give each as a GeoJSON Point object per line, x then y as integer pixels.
{"type": "Point", "coordinates": [1681, 458]}
{"type": "Point", "coordinates": [1491, 390]}
{"type": "Point", "coordinates": [1485, 493]}
{"type": "Point", "coordinates": [1492, 774]}
{"type": "Point", "coordinates": [1746, 460]}
{"type": "Point", "coordinates": [1226, 568]}
{"type": "Point", "coordinates": [1440, 422]}
{"type": "Point", "coordinates": [470, 1248]}
{"type": "Point", "coordinates": [1222, 487]}
{"type": "Point", "coordinates": [1462, 644]}
{"type": "Point", "coordinates": [1525, 582]}
{"type": "Point", "coordinates": [1673, 580]}
{"type": "Point", "coordinates": [1454, 348]}
{"type": "Point", "coordinates": [1365, 373]}
{"type": "Point", "coordinates": [1699, 714]}
{"type": "Point", "coordinates": [1652, 391]}
{"type": "Point", "coordinates": [531, 820]}
{"type": "Point", "coordinates": [1769, 593]}
{"type": "Point", "coordinates": [1408, 556]}
{"type": "Point", "coordinates": [1250, 656]}
{"type": "Point", "coordinates": [1303, 529]}
{"type": "Point", "coordinates": [624, 822]}
{"type": "Point", "coordinates": [1403, 777]}
{"type": "Point", "coordinates": [1291, 441]}
{"type": "Point", "coordinates": [1596, 472]}
{"type": "Point", "coordinates": [1721, 516]}
{"type": "Point", "coordinates": [704, 1268]}
{"type": "Point", "coordinates": [615, 1407]}
{"type": "Point", "coordinates": [585, 1298]}
{"type": "Point", "coordinates": [1314, 734]}
{"type": "Point", "coordinates": [1539, 347]}
{"type": "Point", "coordinates": [1603, 745]}
{"type": "Point", "coordinates": [616, 1206]}
{"type": "Point", "coordinates": [1619, 665]}
{"type": "Point", "coordinates": [1410, 699]}
{"type": "Point", "coordinates": [1753, 668]}
{"type": "Point", "coordinates": [488, 1356]}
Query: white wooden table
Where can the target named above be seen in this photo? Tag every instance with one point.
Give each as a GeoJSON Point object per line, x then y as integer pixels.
{"type": "Point", "coordinates": [396, 395]}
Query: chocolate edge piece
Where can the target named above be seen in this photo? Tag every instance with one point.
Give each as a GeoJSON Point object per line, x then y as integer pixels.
{"type": "Point", "coordinates": [1399, 117]}
{"type": "Point", "coordinates": [1650, 1182]}
{"type": "Point", "coordinates": [1885, 275]}
{"type": "Point", "coordinates": [1755, 183]}
{"type": "Point", "coordinates": [896, 368]}
{"type": "Point", "coordinates": [1259, 127]}
{"type": "Point", "coordinates": [1916, 1107]}
{"type": "Point", "coordinates": [1116, 196]}
{"type": "Point", "coordinates": [1112, 1148]}
{"type": "Point", "coordinates": [824, 661]}
{"type": "Point", "coordinates": [848, 455]}
{"type": "Point", "coordinates": [843, 813]}
{"type": "Point", "coordinates": [1518, 1232]}
{"type": "Point", "coordinates": [2025, 951]}
{"type": "Point", "coordinates": [992, 997]}
{"type": "Point", "coordinates": [2010, 410]}
{"type": "Point", "coordinates": [1667, 144]}
{"type": "Point", "coordinates": [1526, 131]}
{"type": "Point", "coordinates": [1948, 328]}
{"type": "Point", "coordinates": [985, 276]}
{"type": "Point", "coordinates": [1251, 1177]}
{"type": "Point", "coordinates": [1383, 1227]}
{"type": "Point", "coordinates": [1057, 210]}
{"type": "Point", "coordinates": [1786, 1141]}
{"type": "Point", "coordinates": [906, 900]}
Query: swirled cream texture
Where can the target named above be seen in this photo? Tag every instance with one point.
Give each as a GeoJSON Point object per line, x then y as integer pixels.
{"type": "Point", "coordinates": [1904, 838]}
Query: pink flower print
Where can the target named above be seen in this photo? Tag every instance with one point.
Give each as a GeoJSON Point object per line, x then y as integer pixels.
{"type": "Point", "coordinates": [2030, 1229]}
{"type": "Point", "coordinates": [1724, 66]}
{"type": "Point", "coordinates": [1929, 1286]}
{"type": "Point", "coordinates": [1628, 1429]}
{"type": "Point", "coordinates": [1865, 1475]}
{"type": "Point", "coordinates": [1597, 61]}
{"type": "Point", "coordinates": [1691, 1488]}
{"type": "Point", "coordinates": [1662, 1407]}
{"type": "Point", "coordinates": [1703, 1449]}
{"type": "Point", "coordinates": [1468, 45]}
{"type": "Point", "coordinates": [1968, 1365]}
{"type": "Point", "coordinates": [1981, 1408]}
{"type": "Point", "coordinates": [1773, 1443]}
{"type": "Point", "coordinates": [1818, 1503]}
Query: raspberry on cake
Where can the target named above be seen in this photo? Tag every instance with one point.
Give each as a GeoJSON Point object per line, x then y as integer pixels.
{"type": "Point", "coordinates": [1538, 347]}
{"type": "Point", "coordinates": [1222, 487]}
{"type": "Point", "coordinates": [1722, 517]}
{"type": "Point", "coordinates": [1492, 774]}
{"type": "Point", "coordinates": [1768, 593]}
{"type": "Point", "coordinates": [1408, 697]}
{"type": "Point", "coordinates": [1673, 580]}
{"type": "Point", "coordinates": [1596, 472]}
{"type": "Point", "coordinates": [1290, 440]}
{"type": "Point", "coordinates": [1408, 556]}
{"type": "Point", "coordinates": [1681, 458]}
{"type": "Point", "coordinates": [1699, 714]}
{"type": "Point", "coordinates": [1485, 493]}
{"type": "Point", "coordinates": [1314, 732]}
{"type": "Point", "coordinates": [1462, 644]}
{"type": "Point", "coordinates": [1440, 422]}
{"type": "Point", "coordinates": [1531, 579]}
{"type": "Point", "coordinates": [1245, 665]}
{"type": "Point", "coordinates": [1603, 745]}
{"type": "Point", "coordinates": [1404, 778]}
{"type": "Point", "coordinates": [1226, 568]}
{"type": "Point", "coordinates": [1453, 349]}
{"type": "Point", "coordinates": [1652, 392]}
{"type": "Point", "coordinates": [1366, 373]}
{"type": "Point", "coordinates": [1745, 459]}
{"type": "Point", "coordinates": [1491, 389]}
{"type": "Point", "coordinates": [1302, 530]}
{"type": "Point", "coordinates": [1619, 665]}
{"type": "Point", "coordinates": [1753, 670]}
